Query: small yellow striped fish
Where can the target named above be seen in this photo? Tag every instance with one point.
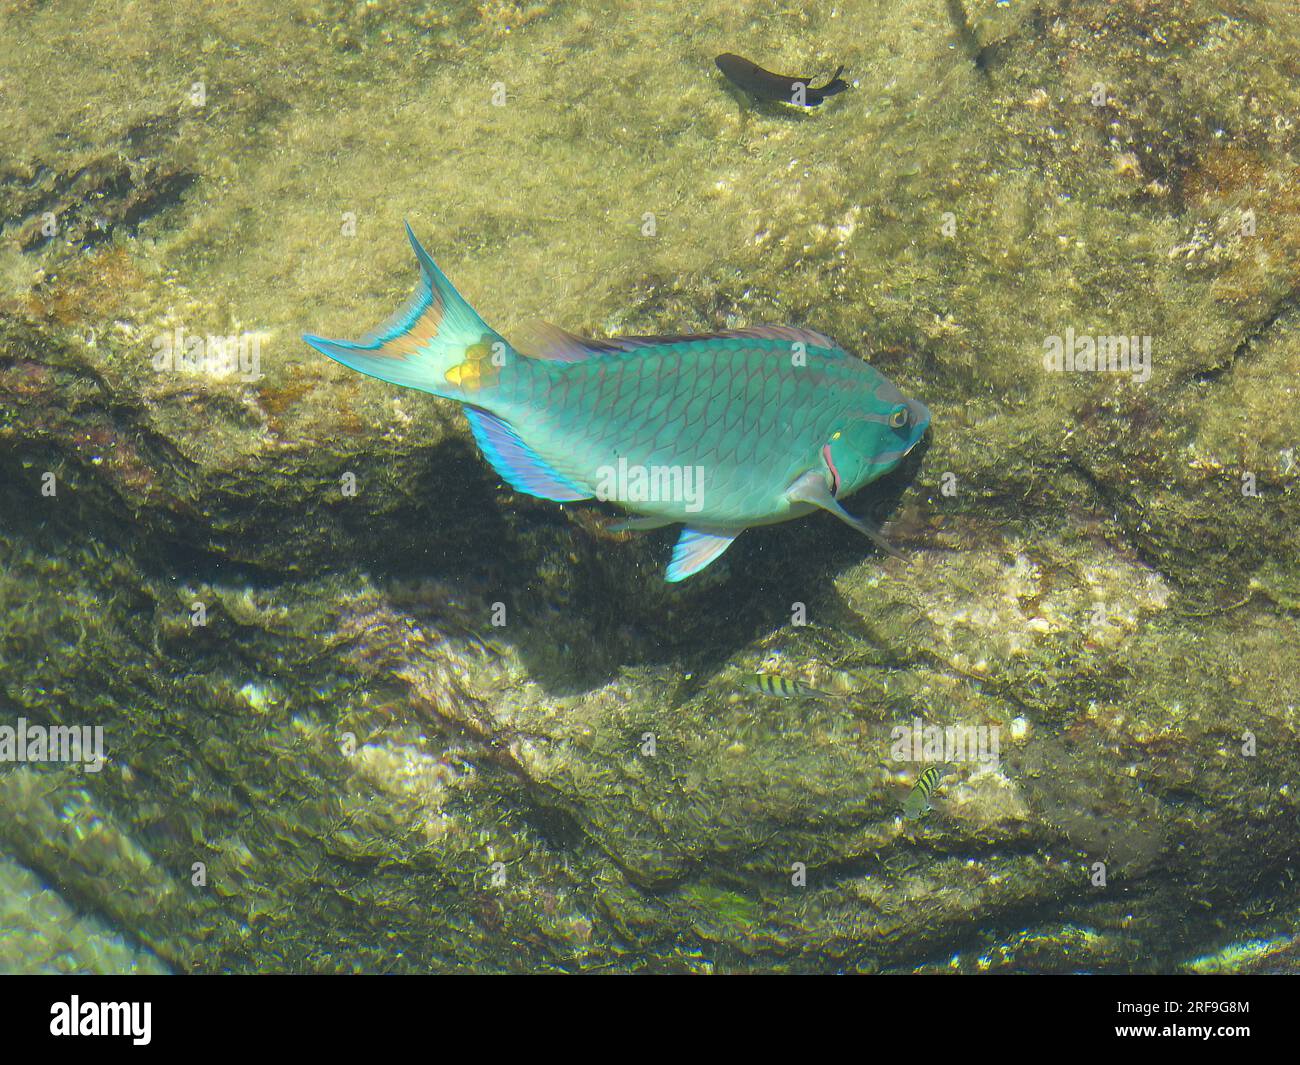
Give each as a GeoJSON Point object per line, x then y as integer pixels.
{"type": "Point", "coordinates": [917, 804]}
{"type": "Point", "coordinates": [783, 687]}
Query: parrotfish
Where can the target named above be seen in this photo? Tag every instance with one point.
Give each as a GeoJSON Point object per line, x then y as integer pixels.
{"type": "Point", "coordinates": [720, 431]}
{"type": "Point", "coordinates": [783, 687]}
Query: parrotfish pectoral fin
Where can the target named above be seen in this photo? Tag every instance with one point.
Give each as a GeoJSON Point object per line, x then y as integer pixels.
{"type": "Point", "coordinates": [812, 488]}
{"type": "Point", "coordinates": [436, 343]}
{"type": "Point", "coordinates": [517, 463]}
{"type": "Point", "coordinates": [696, 549]}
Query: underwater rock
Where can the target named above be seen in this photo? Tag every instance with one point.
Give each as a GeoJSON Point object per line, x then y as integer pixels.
{"type": "Point", "coordinates": [366, 709]}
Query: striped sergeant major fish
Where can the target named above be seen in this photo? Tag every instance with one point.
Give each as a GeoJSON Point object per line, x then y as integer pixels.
{"type": "Point", "coordinates": [784, 687]}
{"type": "Point", "coordinates": [917, 803]}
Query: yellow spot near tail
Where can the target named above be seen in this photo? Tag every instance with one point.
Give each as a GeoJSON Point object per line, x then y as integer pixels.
{"type": "Point", "coordinates": [480, 368]}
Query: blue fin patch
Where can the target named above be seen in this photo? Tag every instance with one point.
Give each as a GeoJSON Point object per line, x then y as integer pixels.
{"type": "Point", "coordinates": [696, 549]}
{"type": "Point", "coordinates": [517, 463]}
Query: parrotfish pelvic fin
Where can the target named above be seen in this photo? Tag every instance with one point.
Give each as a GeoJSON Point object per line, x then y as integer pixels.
{"type": "Point", "coordinates": [696, 549]}
{"type": "Point", "coordinates": [811, 487]}
{"type": "Point", "coordinates": [436, 343]}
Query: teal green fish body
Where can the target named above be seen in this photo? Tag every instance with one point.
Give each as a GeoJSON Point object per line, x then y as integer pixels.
{"type": "Point", "coordinates": [721, 431]}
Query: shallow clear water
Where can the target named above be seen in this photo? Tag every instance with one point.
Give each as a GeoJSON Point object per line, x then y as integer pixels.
{"type": "Point", "coordinates": [292, 679]}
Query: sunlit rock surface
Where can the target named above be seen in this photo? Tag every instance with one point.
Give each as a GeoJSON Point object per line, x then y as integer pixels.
{"type": "Point", "coordinates": [367, 709]}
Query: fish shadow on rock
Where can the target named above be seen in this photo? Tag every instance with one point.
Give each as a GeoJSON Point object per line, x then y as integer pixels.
{"type": "Point", "coordinates": [749, 104]}
{"type": "Point", "coordinates": [584, 608]}
{"type": "Point", "coordinates": [635, 619]}
{"type": "Point", "coordinates": [452, 521]}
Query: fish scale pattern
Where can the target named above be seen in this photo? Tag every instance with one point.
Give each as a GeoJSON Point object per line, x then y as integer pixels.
{"type": "Point", "coordinates": [737, 408]}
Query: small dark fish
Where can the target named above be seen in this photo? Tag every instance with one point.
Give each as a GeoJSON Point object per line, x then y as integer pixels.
{"type": "Point", "coordinates": [783, 687]}
{"type": "Point", "coordinates": [768, 86]}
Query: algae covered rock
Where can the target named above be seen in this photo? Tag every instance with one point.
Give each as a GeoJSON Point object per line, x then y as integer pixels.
{"type": "Point", "coordinates": [366, 709]}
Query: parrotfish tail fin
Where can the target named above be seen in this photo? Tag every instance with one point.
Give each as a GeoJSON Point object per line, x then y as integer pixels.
{"type": "Point", "coordinates": [812, 488]}
{"type": "Point", "coordinates": [436, 343]}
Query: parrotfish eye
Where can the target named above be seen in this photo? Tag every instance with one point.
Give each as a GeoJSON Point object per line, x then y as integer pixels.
{"type": "Point", "coordinates": [899, 416]}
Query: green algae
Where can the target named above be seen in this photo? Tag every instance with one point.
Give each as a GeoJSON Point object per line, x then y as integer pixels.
{"type": "Point", "coordinates": [376, 777]}
{"type": "Point", "coordinates": [735, 914]}
{"type": "Point", "coordinates": [1235, 956]}
{"type": "Point", "coordinates": [43, 934]}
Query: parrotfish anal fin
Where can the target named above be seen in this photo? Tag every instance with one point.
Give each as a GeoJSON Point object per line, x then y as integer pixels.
{"type": "Point", "coordinates": [541, 340]}
{"type": "Point", "coordinates": [812, 488]}
{"type": "Point", "coordinates": [517, 463]}
{"type": "Point", "coordinates": [436, 343]}
{"type": "Point", "coordinates": [696, 549]}
{"type": "Point", "coordinates": [639, 524]}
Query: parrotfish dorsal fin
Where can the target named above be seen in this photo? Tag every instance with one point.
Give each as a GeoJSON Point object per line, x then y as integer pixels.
{"type": "Point", "coordinates": [519, 464]}
{"type": "Point", "coordinates": [696, 549]}
{"type": "Point", "coordinates": [793, 334]}
{"type": "Point", "coordinates": [541, 340]}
